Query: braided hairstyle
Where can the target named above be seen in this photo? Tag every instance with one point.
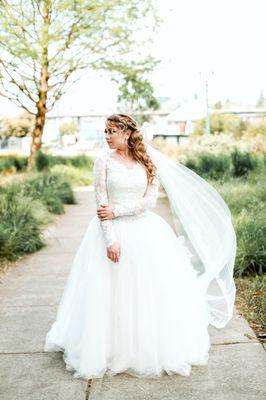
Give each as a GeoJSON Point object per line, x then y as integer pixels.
{"type": "Point", "coordinates": [135, 143]}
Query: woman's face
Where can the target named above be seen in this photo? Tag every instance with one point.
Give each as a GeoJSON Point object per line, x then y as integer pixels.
{"type": "Point", "coordinates": [114, 136]}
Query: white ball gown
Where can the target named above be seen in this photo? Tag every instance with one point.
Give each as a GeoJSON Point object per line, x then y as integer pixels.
{"type": "Point", "coordinates": [144, 315]}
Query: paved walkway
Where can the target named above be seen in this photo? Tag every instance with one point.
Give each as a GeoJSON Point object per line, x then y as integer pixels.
{"type": "Point", "coordinates": [29, 296]}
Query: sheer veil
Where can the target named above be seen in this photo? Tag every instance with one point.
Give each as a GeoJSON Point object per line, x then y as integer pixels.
{"type": "Point", "coordinates": [201, 215]}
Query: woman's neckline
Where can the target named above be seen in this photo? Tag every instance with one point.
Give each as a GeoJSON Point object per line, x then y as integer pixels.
{"type": "Point", "coordinates": [120, 162]}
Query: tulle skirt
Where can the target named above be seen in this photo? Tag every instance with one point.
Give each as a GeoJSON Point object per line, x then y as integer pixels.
{"type": "Point", "coordinates": [144, 315]}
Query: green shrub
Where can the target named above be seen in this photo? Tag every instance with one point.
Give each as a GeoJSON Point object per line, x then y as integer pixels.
{"type": "Point", "coordinates": [81, 161]}
{"type": "Point", "coordinates": [246, 200]}
{"type": "Point", "coordinates": [213, 166]}
{"type": "Point", "coordinates": [75, 176]}
{"type": "Point", "coordinates": [255, 128]}
{"type": "Point", "coordinates": [19, 230]}
{"type": "Point", "coordinates": [242, 163]}
{"type": "Point", "coordinates": [24, 206]}
{"type": "Point", "coordinates": [220, 123]}
{"type": "Point", "coordinates": [251, 247]}
{"type": "Point", "coordinates": [41, 161]}
{"type": "Point", "coordinates": [242, 195]}
{"type": "Point", "coordinates": [44, 161]}
{"type": "Point", "coordinates": [12, 163]}
{"type": "Point", "coordinates": [192, 164]}
{"type": "Point", "coordinates": [222, 166]}
{"type": "Point", "coordinates": [52, 189]}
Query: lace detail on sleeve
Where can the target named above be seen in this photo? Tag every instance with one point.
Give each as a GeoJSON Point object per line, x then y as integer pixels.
{"type": "Point", "coordinates": [147, 202]}
{"type": "Point", "coordinates": [101, 197]}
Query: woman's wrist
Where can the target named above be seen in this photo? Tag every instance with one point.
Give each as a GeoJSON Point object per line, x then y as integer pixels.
{"type": "Point", "coordinates": [114, 211]}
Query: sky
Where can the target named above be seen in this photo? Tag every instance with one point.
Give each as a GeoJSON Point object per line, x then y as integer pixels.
{"type": "Point", "coordinates": [224, 39]}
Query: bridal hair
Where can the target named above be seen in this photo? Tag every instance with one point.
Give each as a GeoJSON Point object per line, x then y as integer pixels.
{"type": "Point", "coordinates": [135, 142]}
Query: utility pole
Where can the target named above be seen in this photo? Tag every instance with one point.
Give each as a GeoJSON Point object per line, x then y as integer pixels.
{"type": "Point", "coordinates": [206, 77]}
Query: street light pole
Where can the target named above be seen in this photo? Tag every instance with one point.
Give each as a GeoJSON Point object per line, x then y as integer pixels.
{"type": "Point", "coordinates": [208, 128]}
{"type": "Point", "coordinates": [207, 124]}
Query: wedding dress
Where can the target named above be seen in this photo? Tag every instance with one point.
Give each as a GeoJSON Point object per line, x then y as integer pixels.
{"type": "Point", "coordinates": [145, 315]}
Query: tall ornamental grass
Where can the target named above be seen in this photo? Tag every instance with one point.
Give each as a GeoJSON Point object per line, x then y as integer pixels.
{"type": "Point", "coordinates": [223, 165]}
{"type": "Point", "coordinates": [11, 164]}
{"type": "Point", "coordinates": [25, 206]}
{"type": "Point", "coordinates": [246, 198]}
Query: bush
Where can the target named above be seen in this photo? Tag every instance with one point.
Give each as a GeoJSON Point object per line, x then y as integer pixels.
{"type": "Point", "coordinates": [242, 163]}
{"type": "Point", "coordinates": [255, 129]}
{"type": "Point", "coordinates": [41, 161]}
{"type": "Point", "coordinates": [44, 161]}
{"type": "Point", "coordinates": [12, 163]}
{"type": "Point", "coordinates": [246, 200]}
{"type": "Point", "coordinates": [75, 176]}
{"type": "Point", "coordinates": [221, 123]}
{"type": "Point", "coordinates": [222, 166]}
{"type": "Point", "coordinates": [52, 189]}
{"type": "Point", "coordinates": [213, 166]}
{"type": "Point", "coordinates": [75, 161]}
{"type": "Point", "coordinates": [24, 206]}
{"type": "Point", "coordinates": [251, 246]}
{"type": "Point", "coordinates": [19, 231]}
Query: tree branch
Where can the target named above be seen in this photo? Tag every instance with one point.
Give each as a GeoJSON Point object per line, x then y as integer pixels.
{"type": "Point", "coordinates": [21, 86]}
{"type": "Point", "coordinates": [15, 99]}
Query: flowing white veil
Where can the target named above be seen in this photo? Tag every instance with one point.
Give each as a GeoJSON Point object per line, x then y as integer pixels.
{"type": "Point", "coordinates": [201, 215]}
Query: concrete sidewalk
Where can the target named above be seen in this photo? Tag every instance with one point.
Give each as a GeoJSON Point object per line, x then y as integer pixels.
{"type": "Point", "coordinates": [29, 296]}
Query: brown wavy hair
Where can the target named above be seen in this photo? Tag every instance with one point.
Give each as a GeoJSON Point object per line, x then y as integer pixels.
{"type": "Point", "coordinates": [135, 142]}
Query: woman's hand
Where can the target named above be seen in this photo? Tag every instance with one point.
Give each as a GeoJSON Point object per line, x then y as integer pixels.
{"type": "Point", "coordinates": [105, 212]}
{"type": "Point", "coordinates": [114, 251]}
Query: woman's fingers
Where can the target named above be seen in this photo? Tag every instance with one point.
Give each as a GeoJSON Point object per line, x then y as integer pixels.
{"type": "Point", "coordinates": [102, 209]}
{"type": "Point", "coordinates": [113, 253]}
{"type": "Point", "coordinates": [102, 214]}
{"type": "Point", "coordinates": [118, 255]}
{"type": "Point", "coordinates": [114, 256]}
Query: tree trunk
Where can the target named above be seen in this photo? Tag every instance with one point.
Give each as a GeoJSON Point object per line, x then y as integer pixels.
{"type": "Point", "coordinates": [41, 104]}
{"type": "Point", "coordinates": [37, 132]}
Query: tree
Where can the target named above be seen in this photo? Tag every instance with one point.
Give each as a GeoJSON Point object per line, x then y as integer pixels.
{"type": "Point", "coordinates": [45, 44]}
{"type": "Point", "coordinates": [218, 105]}
{"type": "Point", "coordinates": [221, 123]}
{"type": "Point", "coordinates": [135, 91]}
{"type": "Point", "coordinates": [69, 128]}
{"type": "Point", "coordinates": [20, 126]}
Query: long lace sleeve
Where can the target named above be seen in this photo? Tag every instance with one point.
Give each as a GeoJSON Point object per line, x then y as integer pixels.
{"type": "Point", "coordinates": [147, 202]}
{"type": "Point", "coordinates": [101, 197]}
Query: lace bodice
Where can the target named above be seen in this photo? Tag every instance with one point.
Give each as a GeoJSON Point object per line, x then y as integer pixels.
{"type": "Point", "coordinates": [125, 188]}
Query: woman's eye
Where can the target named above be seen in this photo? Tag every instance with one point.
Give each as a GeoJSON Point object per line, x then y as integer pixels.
{"type": "Point", "coordinates": [110, 131]}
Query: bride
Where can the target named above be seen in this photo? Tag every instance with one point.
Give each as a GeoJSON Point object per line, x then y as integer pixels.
{"type": "Point", "coordinates": [140, 295]}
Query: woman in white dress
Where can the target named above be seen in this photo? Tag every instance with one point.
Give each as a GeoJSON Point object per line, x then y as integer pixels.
{"type": "Point", "coordinates": [133, 301]}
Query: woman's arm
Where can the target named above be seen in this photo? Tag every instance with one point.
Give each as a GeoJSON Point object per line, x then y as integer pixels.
{"type": "Point", "coordinates": [100, 190]}
{"type": "Point", "coordinates": [147, 202]}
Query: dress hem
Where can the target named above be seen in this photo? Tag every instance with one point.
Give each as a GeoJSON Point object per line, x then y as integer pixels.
{"type": "Point", "coordinates": [107, 371]}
